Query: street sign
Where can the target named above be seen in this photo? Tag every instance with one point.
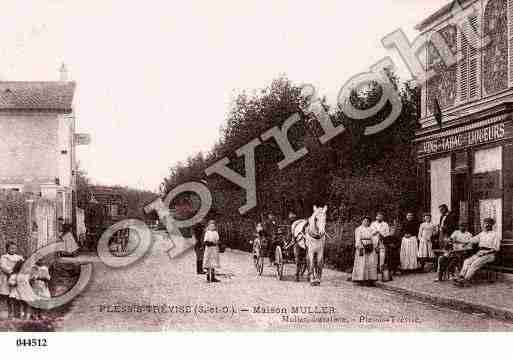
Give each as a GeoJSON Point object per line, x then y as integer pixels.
{"type": "Point", "coordinates": [82, 139]}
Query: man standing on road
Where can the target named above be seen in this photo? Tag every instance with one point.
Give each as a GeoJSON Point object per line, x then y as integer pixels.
{"type": "Point", "coordinates": [270, 228]}
{"type": "Point", "coordinates": [290, 220]}
{"type": "Point", "coordinates": [380, 230]}
{"type": "Point", "coordinates": [198, 230]}
{"type": "Point", "coordinates": [448, 224]}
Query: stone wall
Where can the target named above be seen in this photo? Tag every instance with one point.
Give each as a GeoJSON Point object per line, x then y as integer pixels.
{"type": "Point", "coordinates": [29, 148]}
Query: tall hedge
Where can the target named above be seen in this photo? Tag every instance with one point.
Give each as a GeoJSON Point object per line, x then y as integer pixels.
{"type": "Point", "coordinates": [14, 217]}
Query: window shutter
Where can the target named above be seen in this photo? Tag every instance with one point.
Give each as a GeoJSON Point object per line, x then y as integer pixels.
{"type": "Point", "coordinates": [423, 100]}
{"type": "Point", "coordinates": [474, 67]}
{"type": "Point", "coordinates": [423, 91]}
{"type": "Point", "coordinates": [463, 67]}
{"type": "Point", "coordinates": [510, 42]}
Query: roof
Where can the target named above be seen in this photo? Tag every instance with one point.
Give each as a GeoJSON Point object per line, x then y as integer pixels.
{"type": "Point", "coordinates": [29, 95]}
{"type": "Point", "coordinates": [439, 13]}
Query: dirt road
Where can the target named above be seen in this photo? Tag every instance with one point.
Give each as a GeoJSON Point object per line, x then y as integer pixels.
{"type": "Point", "coordinates": [162, 294]}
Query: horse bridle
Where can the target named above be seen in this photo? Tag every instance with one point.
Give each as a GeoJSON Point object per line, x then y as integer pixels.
{"type": "Point", "coordinates": [311, 234]}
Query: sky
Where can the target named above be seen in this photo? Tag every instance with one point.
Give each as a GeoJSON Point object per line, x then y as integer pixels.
{"type": "Point", "coordinates": [155, 79]}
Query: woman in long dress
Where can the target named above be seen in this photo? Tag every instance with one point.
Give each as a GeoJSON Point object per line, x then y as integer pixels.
{"type": "Point", "coordinates": [426, 232]}
{"type": "Point", "coordinates": [365, 269]}
{"type": "Point", "coordinates": [409, 251]}
{"type": "Point", "coordinates": [211, 255]}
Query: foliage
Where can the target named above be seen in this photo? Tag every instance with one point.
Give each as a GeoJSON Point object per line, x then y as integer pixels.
{"type": "Point", "coordinates": [353, 174]}
{"type": "Point", "coordinates": [14, 214]}
{"type": "Point", "coordinates": [135, 198]}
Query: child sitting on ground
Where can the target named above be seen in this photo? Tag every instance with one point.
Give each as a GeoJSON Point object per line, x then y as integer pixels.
{"type": "Point", "coordinates": [39, 281]}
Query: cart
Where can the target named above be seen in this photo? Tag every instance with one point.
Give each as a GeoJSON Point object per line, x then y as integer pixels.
{"type": "Point", "coordinates": [284, 253]}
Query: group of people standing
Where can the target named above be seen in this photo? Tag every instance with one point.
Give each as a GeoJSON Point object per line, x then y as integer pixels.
{"type": "Point", "coordinates": [382, 249]}
{"type": "Point", "coordinates": [12, 280]}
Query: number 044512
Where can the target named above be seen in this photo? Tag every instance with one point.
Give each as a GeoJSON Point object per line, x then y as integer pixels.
{"type": "Point", "coordinates": [31, 342]}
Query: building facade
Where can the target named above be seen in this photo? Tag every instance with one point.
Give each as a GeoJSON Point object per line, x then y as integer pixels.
{"type": "Point", "coordinates": [466, 159]}
{"type": "Point", "coordinates": [37, 145]}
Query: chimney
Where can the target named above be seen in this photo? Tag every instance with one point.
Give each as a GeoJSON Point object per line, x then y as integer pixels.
{"type": "Point", "coordinates": [63, 71]}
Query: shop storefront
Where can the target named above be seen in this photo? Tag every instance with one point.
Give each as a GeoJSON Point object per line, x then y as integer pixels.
{"type": "Point", "coordinates": [469, 167]}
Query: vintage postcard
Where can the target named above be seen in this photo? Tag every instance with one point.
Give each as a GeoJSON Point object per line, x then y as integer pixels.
{"type": "Point", "coordinates": [256, 166]}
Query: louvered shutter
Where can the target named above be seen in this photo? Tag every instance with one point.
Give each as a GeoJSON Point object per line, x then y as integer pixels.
{"type": "Point", "coordinates": [474, 65]}
{"type": "Point", "coordinates": [510, 42]}
{"type": "Point", "coordinates": [423, 100]}
{"type": "Point", "coordinates": [423, 91]}
{"type": "Point", "coordinates": [463, 67]}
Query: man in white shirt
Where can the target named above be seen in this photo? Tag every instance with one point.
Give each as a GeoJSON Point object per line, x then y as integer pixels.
{"type": "Point", "coordinates": [380, 230]}
{"type": "Point", "coordinates": [489, 245]}
{"type": "Point", "coordinates": [461, 237]}
{"type": "Point", "coordinates": [379, 226]}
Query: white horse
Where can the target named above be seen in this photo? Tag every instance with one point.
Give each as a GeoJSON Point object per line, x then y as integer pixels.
{"type": "Point", "coordinates": [310, 234]}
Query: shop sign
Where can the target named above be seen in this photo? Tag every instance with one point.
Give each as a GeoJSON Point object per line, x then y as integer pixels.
{"type": "Point", "coordinates": [82, 139]}
{"type": "Point", "coordinates": [470, 138]}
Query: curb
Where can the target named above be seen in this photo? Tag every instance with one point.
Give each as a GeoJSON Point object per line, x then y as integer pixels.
{"type": "Point", "coordinates": [500, 313]}
{"type": "Point", "coordinates": [462, 305]}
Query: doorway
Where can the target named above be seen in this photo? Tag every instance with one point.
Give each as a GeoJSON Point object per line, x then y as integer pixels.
{"type": "Point", "coordinates": [440, 183]}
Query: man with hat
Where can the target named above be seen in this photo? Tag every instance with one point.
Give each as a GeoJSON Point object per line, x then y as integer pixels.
{"type": "Point", "coordinates": [489, 244]}
{"type": "Point", "coordinates": [198, 231]}
{"type": "Point", "coordinates": [270, 229]}
{"type": "Point", "coordinates": [448, 224]}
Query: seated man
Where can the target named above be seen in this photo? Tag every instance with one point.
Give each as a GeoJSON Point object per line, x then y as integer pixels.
{"type": "Point", "coordinates": [459, 247]}
{"type": "Point", "coordinates": [489, 245]}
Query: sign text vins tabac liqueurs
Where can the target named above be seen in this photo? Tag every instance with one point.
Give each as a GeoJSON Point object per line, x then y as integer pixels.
{"type": "Point", "coordinates": [470, 138]}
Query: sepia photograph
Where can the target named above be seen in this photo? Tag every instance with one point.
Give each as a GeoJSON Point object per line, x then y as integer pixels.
{"type": "Point", "coordinates": [255, 166]}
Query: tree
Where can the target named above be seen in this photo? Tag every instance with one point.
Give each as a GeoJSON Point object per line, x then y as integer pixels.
{"type": "Point", "coordinates": [352, 171]}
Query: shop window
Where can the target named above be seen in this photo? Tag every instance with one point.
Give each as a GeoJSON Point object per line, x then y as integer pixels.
{"type": "Point", "coordinates": [487, 187]}
{"type": "Point", "coordinates": [488, 160]}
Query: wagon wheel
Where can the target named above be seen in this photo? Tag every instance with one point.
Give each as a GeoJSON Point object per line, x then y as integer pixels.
{"type": "Point", "coordinates": [278, 260]}
{"type": "Point", "coordinates": [259, 261]}
{"type": "Point", "coordinates": [255, 260]}
{"type": "Point", "coordinates": [260, 264]}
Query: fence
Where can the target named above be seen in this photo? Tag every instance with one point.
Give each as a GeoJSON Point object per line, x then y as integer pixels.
{"type": "Point", "coordinates": [27, 220]}
{"type": "Point", "coordinates": [237, 234]}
